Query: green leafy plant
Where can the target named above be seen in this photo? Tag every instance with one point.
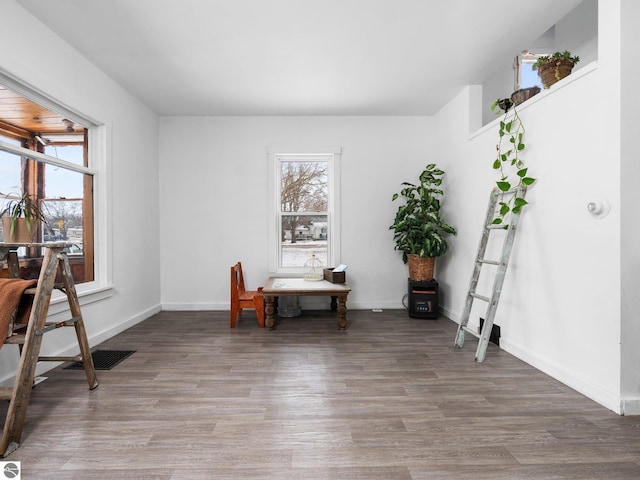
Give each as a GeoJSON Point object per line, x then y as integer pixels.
{"type": "Point", "coordinates": [509, 163]}
{"type": "Point", "coordinates": [418, 228]}
{"type": "Point", "coordinates": [503, 103]}
{"type": "Point", "coordinates": [566, 55]}
{"type": "Point", "coordinates": [21, 205]}
{"type": "Point", "coordinates": [553, 68]}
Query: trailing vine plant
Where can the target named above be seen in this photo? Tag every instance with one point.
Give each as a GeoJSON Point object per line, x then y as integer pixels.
{"type": "Point", "coordinates": [512, 169]}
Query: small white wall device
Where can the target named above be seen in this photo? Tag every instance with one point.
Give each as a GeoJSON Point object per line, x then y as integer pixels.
{"type": "Point", "coordinates": [598, 208]}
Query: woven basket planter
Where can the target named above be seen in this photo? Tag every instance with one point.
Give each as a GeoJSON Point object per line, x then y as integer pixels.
{"type": "Point", "coordinates": [420, 268]}
{"type": "Point", "coordinates": [554, 70]}
{"type": "Point", "coordinates": [524, 94]}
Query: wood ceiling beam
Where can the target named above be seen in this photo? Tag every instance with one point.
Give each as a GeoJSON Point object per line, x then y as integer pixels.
{"type": "Point", "coordinates": [14, 132]}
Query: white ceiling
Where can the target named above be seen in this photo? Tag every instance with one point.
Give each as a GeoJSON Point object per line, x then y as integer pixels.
{"type": "Point", "coordinates": [298, 57]}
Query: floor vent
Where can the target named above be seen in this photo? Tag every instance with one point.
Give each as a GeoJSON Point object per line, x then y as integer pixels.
{"type": "Point", "coordinates": [495, 332]}
{"type": "Point", "coordinates": [103, 359]}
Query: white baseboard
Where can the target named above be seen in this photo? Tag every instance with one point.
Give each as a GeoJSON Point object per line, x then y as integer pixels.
{"type": "Point", "coordinates": [630, 406]}
{"type": "Point", "coordinates": [606, 399]}
{"type": "Point", "coordinates": [94, 340]}
{"type": "Point", "coordinates": [113, 330]}
{"type": "Point", "coordinates": [308, 303]}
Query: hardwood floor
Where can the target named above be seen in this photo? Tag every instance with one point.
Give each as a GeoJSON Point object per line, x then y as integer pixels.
{"type": "Point", "coordinates": [389, 398]}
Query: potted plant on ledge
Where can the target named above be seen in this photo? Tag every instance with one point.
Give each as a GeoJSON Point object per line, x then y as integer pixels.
{"type": "Point", "coordinates": [21, 218]}
{"type": "Point", "coordinates": [419, 231]}
{"type": "Point", "coordinates": [552, 68]}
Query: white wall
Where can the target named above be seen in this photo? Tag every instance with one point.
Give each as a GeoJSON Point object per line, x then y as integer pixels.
{"type": "Point", "coordinates": [560, 307]}
{"type": "Point", "coordinates": [578, 32]}
{"type": "Point", "coordinates": [42, 60]}
{"type": "Point", "coordinates": [213, 177]}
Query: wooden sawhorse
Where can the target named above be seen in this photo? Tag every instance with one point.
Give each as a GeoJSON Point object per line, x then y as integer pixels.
{"type": "Point", "coordinates": [29, 338]}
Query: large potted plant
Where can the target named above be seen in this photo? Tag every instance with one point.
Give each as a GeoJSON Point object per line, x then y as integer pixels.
{"type": "Point", "coordinates": [419, 231]}
{"type": "Point", "coordinates": [21, 218]}
{"type": "Point", "coordinates": [552, 68]}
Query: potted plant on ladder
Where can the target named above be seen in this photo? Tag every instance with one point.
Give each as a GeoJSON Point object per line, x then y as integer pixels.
{"type": "Point", "coordinates": [21, 218]}
{"type": "Point", "coordinates": [419, 231]}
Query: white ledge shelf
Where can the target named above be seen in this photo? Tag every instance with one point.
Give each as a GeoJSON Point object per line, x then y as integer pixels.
{"type": "Point", "coordinates": [573, 77]}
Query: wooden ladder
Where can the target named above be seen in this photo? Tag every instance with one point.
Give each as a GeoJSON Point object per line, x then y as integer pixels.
{"type": "Point", "coordinates": [500, 273]}
{"type": "Point", "coordinates": [29, 339]}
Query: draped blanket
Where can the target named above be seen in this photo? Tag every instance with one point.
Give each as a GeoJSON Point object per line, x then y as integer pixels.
{"type": "Point", "coordinates": [12, 308]}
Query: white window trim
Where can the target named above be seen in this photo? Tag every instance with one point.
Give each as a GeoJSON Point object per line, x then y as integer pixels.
{"type": "Point", "coordinates": [100, 153]}
{"type": "Point", "coordinates": [47, 159]}
{"type": "Point", "coordinates": [333, 156]}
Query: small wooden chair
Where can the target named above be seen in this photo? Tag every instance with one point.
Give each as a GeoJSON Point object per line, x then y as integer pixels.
{"type": "Point", "coordinates": [241, 298]}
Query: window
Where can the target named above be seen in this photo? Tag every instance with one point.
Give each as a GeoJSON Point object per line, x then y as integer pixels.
{"type": "Point", "coordinates": [525, 75]}
{"type": "Point", "coordinates": [305, 210]}
{"type": "Point", "coordinates": [46, 154]}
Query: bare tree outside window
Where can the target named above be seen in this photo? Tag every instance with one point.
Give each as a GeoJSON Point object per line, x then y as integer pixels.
{"type": "Point", "coordinates": [303, 205]}
{"type": "Point", "coordinates": [64, 218]}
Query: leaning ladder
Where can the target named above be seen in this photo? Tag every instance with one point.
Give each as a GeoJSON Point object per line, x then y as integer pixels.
{"type": "Point", "coordinates": [472, 295]}
{"type": "Point", "coordinates": [29, 339]}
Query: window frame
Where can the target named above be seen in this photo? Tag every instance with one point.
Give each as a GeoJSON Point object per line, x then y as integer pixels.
{"type": "Point", "coordinates": [332, 156]}
{"type": "Point", "coordinates": [98, 138]}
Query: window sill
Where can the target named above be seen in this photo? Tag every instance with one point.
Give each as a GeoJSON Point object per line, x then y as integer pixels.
{"type": "Point", "coordinates": [87, 294]}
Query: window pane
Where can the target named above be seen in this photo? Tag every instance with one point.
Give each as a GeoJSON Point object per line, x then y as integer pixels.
{"type": "Point", "coordinates": [9, 169]}
{"type": "Point", "coordinates": [10, 176]}
{"type": "Point", "coordinates": [69, 153]}
{"type": "Point", "coordinates": [304, 186]}
{"type": "Point", "coordinates": [529, 76]}
{"type": "Point", "coordinates": [302, 236]}
{"type": "Point", "coordinates": [62, 206]}
{"type": "Point", "coordinates": [64, 220]}
{"type": "Point", "coordinates": [62, 183]}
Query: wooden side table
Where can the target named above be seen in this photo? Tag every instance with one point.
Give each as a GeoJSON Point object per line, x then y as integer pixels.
{"type": "Point", "coordinates": [298, 287]}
